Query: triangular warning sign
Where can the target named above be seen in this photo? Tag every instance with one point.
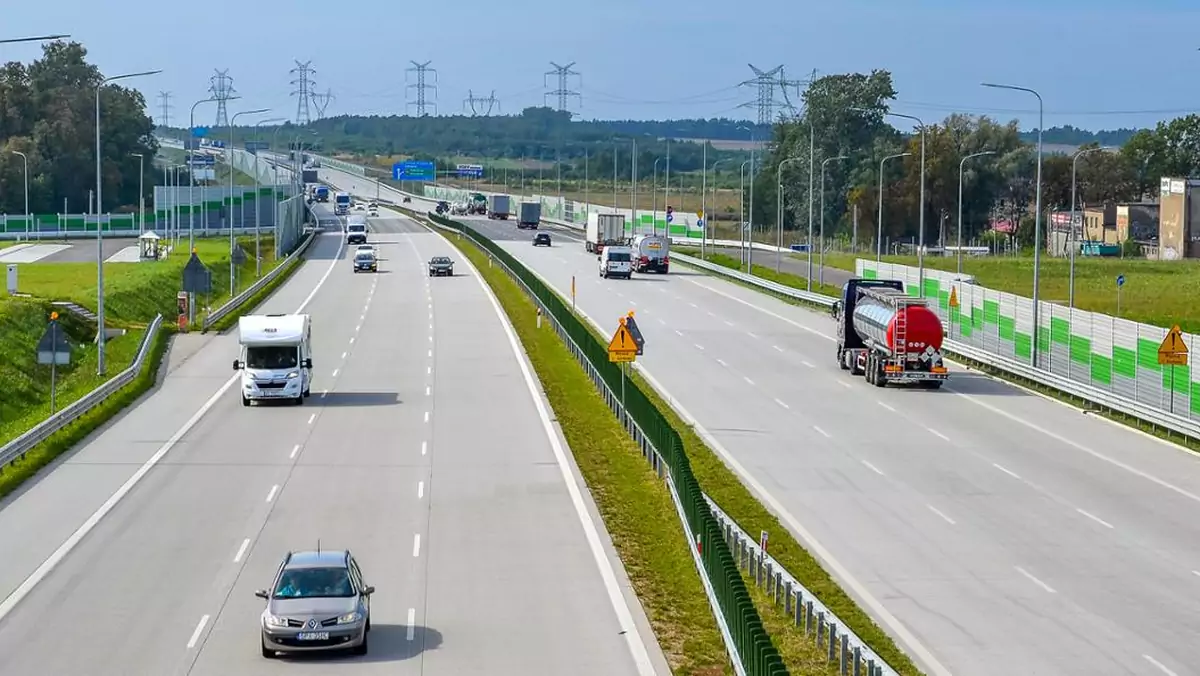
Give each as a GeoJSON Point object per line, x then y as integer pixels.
{"type": "Point", "coordinates": [622, 340]}
{"type": "Point", "coordinates": [1173, 343]}
{"type": "Point", "coordinates": [953, 296]}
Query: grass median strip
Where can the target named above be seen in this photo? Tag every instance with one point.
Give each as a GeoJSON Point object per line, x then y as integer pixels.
{"type": "Point", "coordinates": [635, 505]}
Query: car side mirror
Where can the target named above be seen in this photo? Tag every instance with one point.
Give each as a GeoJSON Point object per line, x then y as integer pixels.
{"type": "Point", "coordinates": [262, 594]}
{"type": "Point", "coordinates": [237, 365]}
{"type": "Point", "coordinates": [308, 363]}
{"type": "Point", "coordinates": [367, 591]}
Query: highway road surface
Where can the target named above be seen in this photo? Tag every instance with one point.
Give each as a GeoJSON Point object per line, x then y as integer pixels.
{"type": "Point", "coordinates": [989, 530]}
{"type": "Point", "coordinates": [791, 263]}
{"type": "Point", "coordinates": [425, 449]}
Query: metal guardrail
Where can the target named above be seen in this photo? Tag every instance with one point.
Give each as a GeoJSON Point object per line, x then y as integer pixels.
{"type": "Point", "coordinates": [1093, 395]}
{"type": "Point", "coordinates": [17, 448]}
{"type": "Point", "coordinates": [234, 303]}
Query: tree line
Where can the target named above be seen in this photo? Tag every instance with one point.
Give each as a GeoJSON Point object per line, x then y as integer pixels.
{"type": "Point", "coordinates": [47, 112]}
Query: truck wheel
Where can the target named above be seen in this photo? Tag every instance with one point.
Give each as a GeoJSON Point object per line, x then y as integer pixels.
{"type": "Point", "coordinates": [880, 376]}
{"type": "Point", "coordinates": [841, 358]}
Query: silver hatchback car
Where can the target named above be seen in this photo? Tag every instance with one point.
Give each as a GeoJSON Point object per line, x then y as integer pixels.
{"type": "Point", "coordinates": [319, 601]}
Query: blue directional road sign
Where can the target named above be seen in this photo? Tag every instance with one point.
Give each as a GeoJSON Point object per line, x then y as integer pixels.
{"type": "Point", "coordinates": [198, 160]}
{"type": "Point", "coordinates": [1120, 280]}
{"type": "Point", "coordinates": [470, 171]}
{"type": "Point", "coordinates": [199, 132]}
{"type": "Point", "coordinates": [414, 171]}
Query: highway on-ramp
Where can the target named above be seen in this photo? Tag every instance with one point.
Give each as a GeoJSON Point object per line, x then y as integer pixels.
{"type": "Point", "coordinates": [425, 449]}
{"type": "Point", "coordinates": [989, 530]}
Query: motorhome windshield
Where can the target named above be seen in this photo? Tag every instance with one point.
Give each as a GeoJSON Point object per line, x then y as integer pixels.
{"type": "Point", "coordinates": [274, 357]}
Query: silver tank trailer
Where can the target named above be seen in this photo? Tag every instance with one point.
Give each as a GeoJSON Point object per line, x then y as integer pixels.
{"type": "Point", "coordinates": [871, 321]}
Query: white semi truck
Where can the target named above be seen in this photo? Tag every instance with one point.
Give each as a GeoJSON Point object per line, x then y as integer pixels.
{"type": "Point", "coordinates": [604, 230]}
{"type": "Point", "coordinates": [276, 358]}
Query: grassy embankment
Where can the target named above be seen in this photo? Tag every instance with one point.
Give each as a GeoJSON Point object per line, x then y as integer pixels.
{"type": "Point", "coordinates": [134, 293]}
{"type": "Point", "coordinates": [639, 515]}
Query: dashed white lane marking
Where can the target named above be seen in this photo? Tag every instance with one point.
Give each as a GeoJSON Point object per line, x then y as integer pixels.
{"type": "Point", "coordinates": [660, 321]}
{"type": "Point", "coordinates": [751, 334]}
{"type": "Point", "coordinates": [693, 305]}
{"type": "Point", "coordinates": [886, 406]}
{"type": "Point", "coordinates": [699, 346]}
{"type": "Point", "coordinates": [416, 545]}
{"type": "Point", "coordinates": [311, 418]}
{"type": "Point", "coordinates": [777, 348]}
{"type": "Point", "coordinates": [1160, 666]}
{"type": "Point", "coordinates": [428, 370]}
{"type": "Point", "coordinates": [431, 339]}
{"type": "Point", "coordinates": [344, 355]}
{"type": "Point", "coordinates": [844, 384]}
{"type": "Point", "coordinates": [295, 450]}
{"type": "Point", "coordinates": [747, 379]}
{"type": "Point", "coordinates": [822, 432]}
{"type": "Point", "coordinates": [412, 623]}
{"type": "Point", "coordinates": [633, 303]}
{"type": "Point", "coordinates": [1006, 471]}
{"type": "Point", "coordinates": [780, 402]}
{"type": "Point", "coordinates": [358, 328]}
{"type": "Point", "coordinates": [426, 416]}
{"type": "Point", "coordinates": [430, 353]}
{"type": "Point", "coordinates": [722, 362]}
{"type": "Point", "coordinates": [420, 489]}
{"type": "Point", "coordinates": [808, 364]}
{"type": "Point", "coordinates": [1093, 517]}
{"type": "Point", "coordinates": [728, 323]}
{"type": "Point", "coordinates": [678, 332]}
{"type": "Point", "coordinates": [424, 447]}
{"type": "Point", "coordinates": [938, 434]}
{"type": "Point", "coordinates": [241, 550]}
{"type": "Point", "coordinates": [196, 634]}
{"type": "Point", "coordinates": [335, 372]}
{"type": "Point", "coordinates": [1034, 580]}
{"type": "Point", "coordinates": [323, 393]}
{"type": "Point", "coordinates": [351, 340]}
{"type": "Point", "coordinates": [427, 390]}
{"type": "Point", "coordinates": [873, 468]}
{"type": "Point", "coordinates": [945, 518]}
{"type": "Point", "coordinates": [271, 494]}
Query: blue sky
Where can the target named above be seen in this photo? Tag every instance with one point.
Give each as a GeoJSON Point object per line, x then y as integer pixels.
{"type": "Point", "coordinates": [1098, 63]}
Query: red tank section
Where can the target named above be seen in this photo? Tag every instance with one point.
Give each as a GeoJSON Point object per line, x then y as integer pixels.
{"type": "Point", "coordinates": [922, 327]}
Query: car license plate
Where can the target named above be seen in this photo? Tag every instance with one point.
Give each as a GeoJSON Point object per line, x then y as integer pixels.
{"type": "Point", "coordinates": [313, 636]}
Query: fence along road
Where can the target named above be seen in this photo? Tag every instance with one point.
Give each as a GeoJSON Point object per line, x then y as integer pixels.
{"type": "Point", "coordinates": [1002, 532]}
{"type": "Point", "coordinates": [469, 560]}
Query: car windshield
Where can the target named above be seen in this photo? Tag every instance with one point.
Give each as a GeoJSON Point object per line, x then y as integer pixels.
{"type": "Point", "coordinates": [440, 261]}
{"type": "Point", "coordinates": [618, 257]}
{"type": "Point", "coordinates": [272, 357]}
{"type": "Point", "coordinates": [365, 256]}
{"type": "Point", "coordinates": [309, 583]}
{"type": "Point", "coordinates": [356, 227]}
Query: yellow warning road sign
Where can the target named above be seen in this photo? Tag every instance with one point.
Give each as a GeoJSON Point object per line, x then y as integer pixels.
{"type": "Point", "coordinates": [953, 296]}
{"type": "Point", "coordinates": [1173, 351]}
{"type": "Point", "coordinates": [622, 347]}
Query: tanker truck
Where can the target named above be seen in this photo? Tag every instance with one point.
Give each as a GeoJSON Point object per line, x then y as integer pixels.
{"type": "Point", "coordinates": [887, 335]}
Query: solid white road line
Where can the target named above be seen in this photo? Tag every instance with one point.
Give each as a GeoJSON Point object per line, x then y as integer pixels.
{"type": "Point", "coordinates": [196, 634]}
{"type": "Point", "coordinates": [1034, 580]}
{"type": "Point", "coordinates": [70, 543]}
{"type": "Point", "coordinates": [241, 550]}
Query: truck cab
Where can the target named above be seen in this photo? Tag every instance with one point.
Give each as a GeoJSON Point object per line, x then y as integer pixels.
{"type": "Point", "coordinates": [275, 358]}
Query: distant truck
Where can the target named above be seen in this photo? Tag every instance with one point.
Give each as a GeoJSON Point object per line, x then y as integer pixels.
{"type": "Point", "coordinates": [888, 335]}
{"type": "Point", "coordinates": [341, 203]}
{"type": "Point", "coordinates": [321, 194]}
{"type": "Point", "coordinates": [477, 204]}
{"type": "Point", "coordinates": [275, 358]}
{"type": "Point", "coordinates": [530, 216]}
{"type": "Point", "coordinates": [604, 230]}
{"type": "Point", "coordinates": [499, 207]}
{"type": "Point", "coordinates": [652, 254]}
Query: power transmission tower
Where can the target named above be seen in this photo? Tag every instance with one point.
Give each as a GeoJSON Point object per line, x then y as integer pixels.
{"type": "Point", "coordinates": [164, 99]}
{"type": "Point", "coordinates": [766, 82]}
{"type": "Point", "coordinates": [303, 93]}
{"type": "Point", "coordinates": [221, 88]}
{"type": "Point", "coordinates": [480, 101]}
{"type": "Point", "coordinates": [563, 73]}
{"type": "Point", "coordinates": [421, 70]}
{"type": "Point", "coordinates": [321, 102]}
{"type": "Point", "coordinates": [785, 83]}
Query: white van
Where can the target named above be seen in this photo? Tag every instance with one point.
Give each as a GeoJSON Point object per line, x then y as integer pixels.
{"type": "Point", "coordinates": [276, 357]}
{"type": "Point", "coordinates": [616, 261]}
{"type": "Point", "coordinates": [356, 229]}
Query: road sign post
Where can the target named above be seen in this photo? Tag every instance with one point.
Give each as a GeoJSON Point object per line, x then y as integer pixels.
{"type": "Point", "coordinates": [54, 350]}
{"type": "Point", "coordinates": [625, 346]}
{"type": "Point", "coordinates": [572, 294]}
{"type": "Point", "coordinates": [1172, 352]}
{"type": "Point", "coordinates": [1120, 283]}
{"type": "Point", "coordinates": [953, 307]}
{"type": "Point", "coordinates": [197, 278]}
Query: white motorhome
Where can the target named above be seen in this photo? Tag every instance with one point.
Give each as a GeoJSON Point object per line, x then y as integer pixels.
{"type": "Point", "coordinates": [276, 357]}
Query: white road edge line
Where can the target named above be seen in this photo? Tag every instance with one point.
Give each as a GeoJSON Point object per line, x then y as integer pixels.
{"type": "Point", "coordinates": [1034, 580]}
{"type": "Point", "coordinates": [241, 550]}
{"type": "Point", "coordinates": [416, 545]}
{"type": "Point", "coordinates": [935, 510]}
{"type": "Point", "coordinates": [196, 634]}
{"type": "Point", "coordinates": [629, 629]}
{"type": "Point", "coordinates": [74, 539]}
{"type": "Point", "coordinates": [1093, 517]}
{"type": "Point", "coordinates": [412, 623]}
{"type": "Point", "coordinates": [1161, 667]}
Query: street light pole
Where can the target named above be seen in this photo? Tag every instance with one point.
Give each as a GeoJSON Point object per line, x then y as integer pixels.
{"type": "Point", "coordinates": [1037, 215]}
{"type": "Point", "coordinates": [821, 264]}
{"type": "Point", "coordinates": [191, 170]}
{"type": "Point", "coordinates": [704, 201]}
{"type": "Point", "coordinates": [742, 211]}
{"type": "Point", "coordinates": [654, 198]}
{"type": "Point", "coordinates": [1071, 283]}
{"type": "Point", "coordinates": [25, 159]}
{"type": "Point", "coordinates": [812, 158]}
{"type": "Point", "coordinates": [962, 162]}
{"type": "Point", "coordinates": [779, 206]}
{"type": "Point", "coordinates": [232, 265]}
{"type": "Point", "coordinates": [141, 192]}
{"type": "Point", "coordinates": [101, 338]}
{"type": "Point", "coordinates": [258, 199]}
{"type": "Point", "coordinates": [879, 223]}
{"type": "Point", "coordinates": [921, 203]}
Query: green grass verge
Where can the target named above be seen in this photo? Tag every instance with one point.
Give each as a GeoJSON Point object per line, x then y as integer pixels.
{"type": "Point", "coordinates": [12, 476]}
{"type": "Point", "coordinates": [635, 505]}
{"type": "Point", "coordinates": [762, 271]}
{"type": "Point", "coordinates": [257, 299]}
{"type": "Point", "coordinates": [1155, 292]}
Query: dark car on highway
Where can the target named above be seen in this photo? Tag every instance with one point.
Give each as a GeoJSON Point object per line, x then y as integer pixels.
{"type": "Point", "coordinates": [541, 239]}
{"type": "Point", "coordinates": [318, 601]}
{"type": "Point", "coordinates": [441, 265]}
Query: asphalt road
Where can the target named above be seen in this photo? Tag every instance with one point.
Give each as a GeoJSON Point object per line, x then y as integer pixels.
{"type": "Point", "coordinates": [989, 530]}
{"type": "Point", "coordinates": [795, 264]}
{"type": "Point", "coordinates": [423, 449]}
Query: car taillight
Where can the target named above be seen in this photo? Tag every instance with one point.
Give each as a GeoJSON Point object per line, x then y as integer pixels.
{"type": "Point", "coordinates": [645, 259]}
{"type": "Point", "coordinates": [666, 260]}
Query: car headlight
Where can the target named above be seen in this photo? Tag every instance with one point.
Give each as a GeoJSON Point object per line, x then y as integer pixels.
{"type": "Point", "coordinates": [293, 374]}
{"type": "Point", "coordinates": [350, 618]}
{"type": "Point", "coordinates": [272, 621]}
